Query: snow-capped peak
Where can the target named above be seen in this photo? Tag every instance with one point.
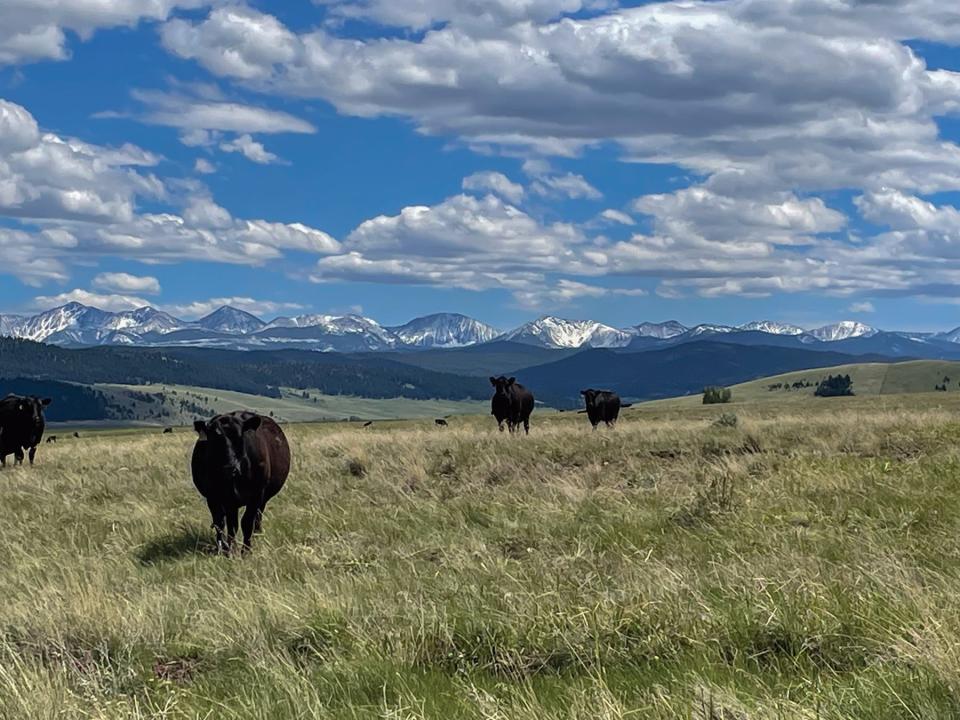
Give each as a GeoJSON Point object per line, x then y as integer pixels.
{"type": "Point", "coordinates": [843, 331]}
{"type": "Point", "coordinates": [661, 331]}
{"type": "Point", "coordinates": [709, 329]}
{"type": "Point", "coordinates": [444, 330]}
{"type": "Point", "coordinates": [231, 321]}
{"type": "Point", "coordinates": [772, 328]}
{"type": "Point", "coordinates": [556, 332]}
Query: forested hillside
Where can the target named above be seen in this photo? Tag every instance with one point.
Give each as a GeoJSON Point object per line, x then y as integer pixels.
{"type": "Point", "coordinates": [258, 373]}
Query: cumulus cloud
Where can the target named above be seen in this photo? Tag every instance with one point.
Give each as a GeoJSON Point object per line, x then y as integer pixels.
{"type": "Point", "coordinates": [862, 307]}
{"type": "Point", "coordinates": [204, 167]}
{"type": "Point", "coordinates": [260, 308]}
{"type": "Point", "coordinates": [127, 283]}
{"type": "Point", "coordinates": [72, 199]}
{"type": "Point", "coordinates": [422, 14]}
{"type": "Point", "coordinates": [497, 183]}
{"type": "Point", "coordinates": [109, 302]}
{"type": "Point", "coordinates": [32, 30]}
{"type": "Point", "coordinates": [618, 217]}
{"type": "Point", "coordinates": [250, 149]}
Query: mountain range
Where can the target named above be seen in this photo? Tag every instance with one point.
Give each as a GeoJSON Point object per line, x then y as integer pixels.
{"type": "Point", "coordinates": [77, 325]}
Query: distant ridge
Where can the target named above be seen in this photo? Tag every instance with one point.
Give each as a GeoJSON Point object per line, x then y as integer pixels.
{"type": "Point", "coordinates": [78, 325]}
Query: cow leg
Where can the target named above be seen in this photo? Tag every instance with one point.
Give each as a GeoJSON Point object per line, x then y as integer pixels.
{"type": "Point", "coordinates": [18, 456]}
{"type": "Point", "coordinates": [248, 523]}
{"type": "Point", "coordinates": [232, 522]}
{"type": "Point", "coordinates": [219, 521]}
{"type": "Point", "coordinates": [3, 460]}
{"type": "Point", "coordinates": [258, 519]}
{"type": "Point", "coordinates": [33, 453]}
{"type": "Point", "coordinates": [526, 426]}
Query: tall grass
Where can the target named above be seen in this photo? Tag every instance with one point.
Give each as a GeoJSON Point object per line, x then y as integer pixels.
{"type": "Point", "coordinates": [805, 565]}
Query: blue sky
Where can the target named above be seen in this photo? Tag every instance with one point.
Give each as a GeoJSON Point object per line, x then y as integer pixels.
{"type": "Point", "coordinates": [792, 160]}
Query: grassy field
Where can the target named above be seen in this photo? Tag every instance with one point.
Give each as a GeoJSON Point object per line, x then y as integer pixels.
{"type": "Point", "coordinates": [182, 404]}
{"type": "Point", "coordinates": [803, 564]}
{"type": "Point", "coordinates": [869, 380]}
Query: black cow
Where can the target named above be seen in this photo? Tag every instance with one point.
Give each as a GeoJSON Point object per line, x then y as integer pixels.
{"type": "Point", "coordinates": [368, 423]}
{"type": "Point", "coordinates": [440, 422]}
{"type": "Point", "coordinates": [241, 460]}
{"type": "Point", "coordinates": [52, 439]}
{"type": "Point", "coordinates": [603, 406]}
{"type": "Point", "coordinates": [76, 435]}
{"type": "Point", "coordinates": [22, 423]}
{"type": "Point", "coordinates": [168, 431]}
{"type": "Point", "coordinates": [511, 403]}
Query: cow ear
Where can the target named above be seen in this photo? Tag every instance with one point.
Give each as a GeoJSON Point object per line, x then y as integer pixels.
{"type": "Point", "coordinates": [201, 427]}
{"type": "Point", "coordinates": [511, 381]}
{"type": "Point", "coordinates": [46, 402]}
{"type": "Point", "coordinates": [493, 381]}
{"type": "Point", "coordinates": [252, 424]}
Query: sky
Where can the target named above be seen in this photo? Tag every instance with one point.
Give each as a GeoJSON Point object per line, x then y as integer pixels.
{"type": "Point", "coordinates": [705, 161]}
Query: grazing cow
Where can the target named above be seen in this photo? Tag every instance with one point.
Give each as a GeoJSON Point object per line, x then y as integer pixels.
{"type": "Point", "coordinates": [76, 435]}
{"type": "Point", "coordinates": [603, 406]}
{"type": "Point", "coordinates": [22, 421]}
{"type": "Point", "coordinates": [511, 403]}
{"type": "Point", "coordinates": [52, 439]}
{"type": "Point", "coordinates": [168, 431]}
{"type": "Point", "coordinates": [368, 424]}
{"type": "Point", "coordinates": [440, 422]}
{"type": "Point", "coordinates": [241, 460]}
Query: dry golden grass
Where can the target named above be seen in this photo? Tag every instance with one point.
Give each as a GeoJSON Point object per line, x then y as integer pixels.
{"type": "Point", "coordinates": [805, 564]}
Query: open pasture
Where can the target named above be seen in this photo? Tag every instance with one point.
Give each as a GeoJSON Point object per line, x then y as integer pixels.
{"type": "Point", "coordinates": [803, 564]}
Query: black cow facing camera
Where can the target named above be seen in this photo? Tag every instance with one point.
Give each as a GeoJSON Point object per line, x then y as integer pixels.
{"type": "Point", "coordinates": [21, 426]}
{"type": "Point", "coordinates": [603, 406]}
{"type": "Point", "coordinates": [512, 404]}
{"type": "Point", "coordinates": [241, 460]}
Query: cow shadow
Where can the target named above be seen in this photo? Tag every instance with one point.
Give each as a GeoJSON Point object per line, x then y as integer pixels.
{"type": "Point", "coordinates": [180, 543]}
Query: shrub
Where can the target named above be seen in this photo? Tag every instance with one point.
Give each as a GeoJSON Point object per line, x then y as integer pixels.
{"type": "Point", "coordinates": [727, 420]}
{"type": "Point", "coordinates": [835, 386]}
{"type": "Point", "coordinates": [716, 395]}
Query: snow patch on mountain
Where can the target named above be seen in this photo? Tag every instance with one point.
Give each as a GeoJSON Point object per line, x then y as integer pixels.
{"type": "Point", "coordinates": [661, 331]}
{"type": "Point", "coordinates": [553, 332]}
{"type": "Point", "coordinates": [772, 328]}
{"type": "Point", "coordinates": [444, 330]}
{"type": "Point", "coordinates": [843, 331]}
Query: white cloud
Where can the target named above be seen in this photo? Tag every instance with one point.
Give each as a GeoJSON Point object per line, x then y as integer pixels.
{"type": "Point", "coordinates": [617, 216]}
{"type": "Point", "coordinates": [126, 283]}
{"type": "Point", "coordinates": [73, 199]}
{"type": "Point", "coordinates": [497, 183]}
{"type": "Point", "coordinates": [421, 14]}
{"type": "Point", "coordinates": [260, 308]}
{"type": "Point", "coordinates": [568, 185]}
{"type": "Point", "coordinates": [191, 113]}
{"type": "Point", "coordinates": [862, 307]}
{"type": "Point", "coordinates": [33, 30]}
{"type": "Point", "coordinates": [204, 167]}
{"type": "Point", "coordinates": [111, 303]}
{"type": "Point", "coordinates": [250, 149]}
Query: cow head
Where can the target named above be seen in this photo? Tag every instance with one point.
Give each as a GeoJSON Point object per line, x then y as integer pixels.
{"type": "Point", "coordinates": [589, 396]}
{"type": "Point", "coordinates": [502, 385]}
{"type": "Point", "coordinates": [222, 440]}
{"type": "Point", "coordinates": [30, 409]}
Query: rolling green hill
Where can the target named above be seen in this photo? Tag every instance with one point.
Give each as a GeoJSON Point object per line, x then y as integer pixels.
{"type": "Point", "coordinates": [869, 379]}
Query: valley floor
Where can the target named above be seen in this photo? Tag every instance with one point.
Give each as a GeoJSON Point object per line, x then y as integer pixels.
{"type": "Point", "coordinates": [803, 564]}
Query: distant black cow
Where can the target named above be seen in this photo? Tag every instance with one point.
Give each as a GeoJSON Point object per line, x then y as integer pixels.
{"type": "Point", "coordinates": [603, 406]}
{"type": "Point", "coordinates": [241, 460]}
{"type": "Point", "coordinates": [76, 435]}
{"type": "Point", "coordinates": [512, 404]}
{"type": "Point", "coordinates": [22, 424]}
{"type": "Point", "coordinates": [168, 431]}
{"type": "Point", "coordinates": [441, 422]}
{"type": "Point", "coordinates": [368, 423]}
